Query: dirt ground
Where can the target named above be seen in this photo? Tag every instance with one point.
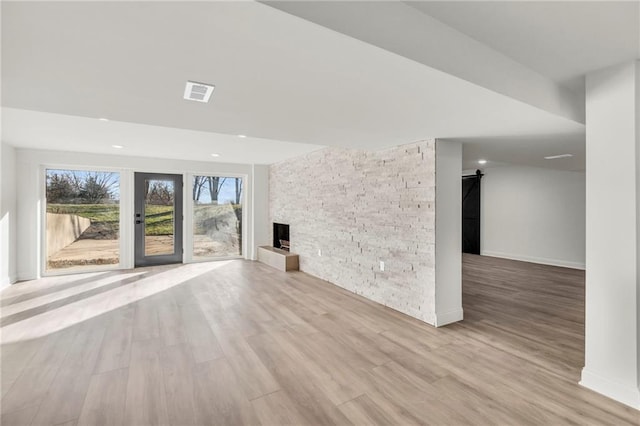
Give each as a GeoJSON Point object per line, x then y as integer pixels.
{"type": "Point", "coordinates": [105, 252]}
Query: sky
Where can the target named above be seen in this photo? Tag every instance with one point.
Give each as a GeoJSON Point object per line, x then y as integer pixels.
{"type": "Point", "coordinates": [227, 192]}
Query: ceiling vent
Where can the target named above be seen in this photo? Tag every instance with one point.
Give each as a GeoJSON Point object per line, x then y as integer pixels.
{"type": "Point", "coordinates": [199, 92]}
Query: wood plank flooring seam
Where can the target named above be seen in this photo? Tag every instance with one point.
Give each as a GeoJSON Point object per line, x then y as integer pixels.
{"type": "Point", "coordinates": [266, 394]}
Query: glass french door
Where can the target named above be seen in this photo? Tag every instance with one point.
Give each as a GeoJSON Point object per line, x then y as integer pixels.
{"type": "Point", "coordinates": [158, 219]}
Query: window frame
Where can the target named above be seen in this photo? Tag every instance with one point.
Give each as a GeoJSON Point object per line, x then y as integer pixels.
{"type": "Point", "coordinates": [42, 223]}
{"type": "Point", "coordinates": [189, 222]}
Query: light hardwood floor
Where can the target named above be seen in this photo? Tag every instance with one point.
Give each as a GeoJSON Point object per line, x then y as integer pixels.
{"type": "Point", "coordinates": [236, 342]}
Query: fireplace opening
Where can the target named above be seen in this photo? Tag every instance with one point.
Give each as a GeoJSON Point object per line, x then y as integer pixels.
{"type": "Point", "coordinates": [281, 236]}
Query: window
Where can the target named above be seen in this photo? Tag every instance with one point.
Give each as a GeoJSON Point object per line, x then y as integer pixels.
{"type": "Point", "coordinates": [82, 219]}
{"type": "Point", "coordinates": [217, 216]}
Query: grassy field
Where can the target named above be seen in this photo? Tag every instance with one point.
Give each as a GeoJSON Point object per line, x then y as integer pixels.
{"type": "Point", "coordinates": [159, 219]}
{"type": "Point", "coordinates": [103, 213]}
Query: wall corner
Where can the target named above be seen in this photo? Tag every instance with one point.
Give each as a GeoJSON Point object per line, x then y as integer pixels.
{"type": "Point", "coordinates": [448, 230]}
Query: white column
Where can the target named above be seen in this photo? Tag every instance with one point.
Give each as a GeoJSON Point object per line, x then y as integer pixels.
{"type": "Point", "coordinates": [448, 233]}
{"type": "Point", "coordinates": [612, 218]}
{"type": "Point", "coordinates": [261, 224]}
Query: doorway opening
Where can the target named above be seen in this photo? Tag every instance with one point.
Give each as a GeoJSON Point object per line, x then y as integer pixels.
{"type": "Point", "coordinates": [510, 297]}
{"type": "Point", "coordinates": [158, 219]}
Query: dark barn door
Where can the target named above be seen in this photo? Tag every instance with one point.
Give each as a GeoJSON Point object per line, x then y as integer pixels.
{"type": "Point", "coordinates": [471, 214]}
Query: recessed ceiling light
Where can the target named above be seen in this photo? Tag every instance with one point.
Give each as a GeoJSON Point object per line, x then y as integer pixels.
{"type": "Point", "coordinates": [117, 146]}
{"type": "Point", "coordinates": [242, 136]}
{"type": "Point", "coordinates": [199, 92]}
{"type": "Point", "coordinates": [482, 161]}
{"type": "Point", "coordinates": [215, 155]}
{"type": "Point", "coordinates": [555, 157]}
{"type": "Point", "coordinates": [103, 119]}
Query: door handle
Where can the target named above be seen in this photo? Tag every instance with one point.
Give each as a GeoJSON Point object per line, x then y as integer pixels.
{"type": "Point", "coordinates": [138, 222]}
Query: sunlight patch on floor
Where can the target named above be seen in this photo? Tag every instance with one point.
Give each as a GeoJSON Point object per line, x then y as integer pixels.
{"type": "Point", "coordinates": [27, 287]}
{"type": "Point", "coordinates": [82, 310]}
{"type": "Point", "coordinates": [62, 294]}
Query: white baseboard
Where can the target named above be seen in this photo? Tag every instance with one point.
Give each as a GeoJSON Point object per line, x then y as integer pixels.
{"type": "Point", "coordinates": [26, 277]}
{"type": "Point", "coordinates": [449, 317]}
{"type": "Point", "coordinates": [629, 395]}
{"type": "Point", "coordinates": [7, 281]}
{"type": "Point", "coordinates": [532, 259]}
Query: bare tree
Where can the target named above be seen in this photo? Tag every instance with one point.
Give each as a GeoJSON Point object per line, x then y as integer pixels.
{"type": "Point", "coordinates": [75, 179]}
{"type": "Point", "coordinates": [60, 189]}
{"type": "Point", "coordinates": [238, 190]}
{"type": "Point", "coordinates": [215, 185]}
{"type": "Point", "coordinates": [160, 193]}
{"type": "Point", "coordinates": [97, 186]}
{"type": "Point", "coordinates": [198, 184]}
{"type": "Point", "coordinates": [71, 186]}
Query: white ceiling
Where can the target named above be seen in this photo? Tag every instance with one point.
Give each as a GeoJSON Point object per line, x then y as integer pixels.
{"type": "Point", "coordinates": [289, 84]}
{"type": "Point", "coordinates": [525, 151]}
{"type": "Point", "coordinates": [562, 40]}
{"type": "Point", "coordinates": [398, 27]}
{"type": "Point", "coordinates": [82, 134]}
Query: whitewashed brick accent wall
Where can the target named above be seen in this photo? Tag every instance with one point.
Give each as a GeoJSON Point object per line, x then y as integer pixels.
{"type": "Point", "coordinates": [360, 208]}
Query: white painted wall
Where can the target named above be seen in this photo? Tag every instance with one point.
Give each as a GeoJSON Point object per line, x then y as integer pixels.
{"type": "Point", "coordinates": [612, 354]}
{"type": "Point", "coordinates": [533, 214]}
{"type": "Point", "coordinates": [448, 233]}
{"type": "Point", "coordinates": [8, 216]}
{"type": "Point", "coordinates": [29, 174]}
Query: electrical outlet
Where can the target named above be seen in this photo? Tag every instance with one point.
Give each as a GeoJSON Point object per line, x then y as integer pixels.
{"type": "Point", "coordinates": [382, 266]}
{"type": "Point", "coordinates": [319, 252]}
